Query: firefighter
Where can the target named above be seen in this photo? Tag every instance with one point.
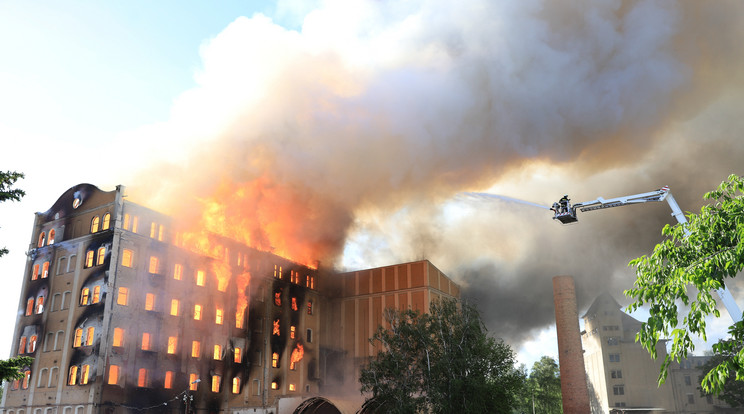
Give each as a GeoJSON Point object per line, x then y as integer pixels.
{"type": "Point", "coordinates": [564, 203]}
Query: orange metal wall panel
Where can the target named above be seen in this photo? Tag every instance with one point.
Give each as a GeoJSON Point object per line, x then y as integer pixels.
{"type": "Point", "coordinates": [402, 276]}
{"type": "Point", "coordinates": [417, 274]}
{"type": "Point", "coordinates": [364, 277]}
{"type": "Point", "coordinates": [389, 279]}
{"type": "Point", "coordinates": [363, 334]}
{"type": "Point", "coordinates": [376, 280]}
{"type": "Point", "coordinates": [417, 301]}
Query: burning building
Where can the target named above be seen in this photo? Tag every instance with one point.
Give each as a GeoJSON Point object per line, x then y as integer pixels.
{"type": "Point", "coordinates": [124, 314]}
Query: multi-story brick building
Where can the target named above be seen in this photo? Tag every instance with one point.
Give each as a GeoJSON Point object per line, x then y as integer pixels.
{"type": "Point", "coordinates": [122, 314]}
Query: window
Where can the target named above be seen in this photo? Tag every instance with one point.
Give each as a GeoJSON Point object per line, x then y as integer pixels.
{"type": "Point", "coordinates": [217, 352]}
{"type": "Point", "coordinates": [237, 355]}
{"type": "Point", "coordinates": [52, 235]}
{"type": "Point", "coordinates": [142, 377]}
{"type": "Point", "coordinates": [89, 258]}
{"type": "Point", "coordinates": [39, 305]}
{"type": "Point", "coordinates": [291, 387]}
{"type": "Point", "coordinates": [690, 399]}
{"type": "Point", "coordinates": [72, 377]}
{"type": "Point", "coordinates": [30, 306]}
{"type": "Point", "coordinates": [294, 304]}
{"type": "Point", "coordinates": [113, 377]}
{"type": "Point", "coordinates": [161, 232]}
{"type": "Point", "coordinates": [146, 341]}
{"type": "Point", "coordinates": [195, 349]}
{"type": "Point", "coordinates": [614, 357]}
{"type": "Point", "coordinates": [175, 303]}
{"type": "Point", "coordinates": [616, 373]}
{"type": "Point", "coordinates": [216, 383]}
{"type": "Point", "coordinates": [127, 258]}
{"type": "Point", "coordinates": [218, 317]}
{"type": "Point", "coordinates": [154, 264]}
{"type": "Point", "coordinates": [236, 385]}
{"type": "Point", "coordinates": [32, 344]}
{"type": "Point", "coordinates": [309, 335]}
{"type": "Point", "coordinates": [168, 383]}
{"type": "Point", "coordinates": [100, 256]}
{"type": "Point", "coordinates": [41, 240]}
{"type": "Point", "coordinates": [45, 270]}
{"type": "Point", "coordinates": [26, 379]}
{"type": "Point", "coordinates": [106, 221]}
{"type": "Point", "coordinates": [275, 360]}
{"type": "Point", "coordinates": [292, 332]}
{"type": "Point", "coordinates": [22, 345]}
{"type": "Point", "coordinates": [309, 307]}
{"type": "Point", "coordinates": [197, 312]}
{"type": "Point", "coordinates": [200, 277]}
{"type": "Point", "coordinates": [123, 296]}
{"type": "Point", "coordinates": [84, 374]}
{"type": "Point", "coordinates": [709, 399]}
{"type": "Point", "coordinates": [153, 230]}
{"type": "Point", "coordinates": [94, 224]}
{"type": "Point", "coordinates": [84, 296]}
{"type": "Point", "coordinates": [618, 389]}
{"type": "Point", "coordinates": [90, 334]}
{"type": "Point", "coordinates": [274, 385]}
{"type": "Point", "coordinates": [78, 341]}
{"type": "Point", "coordinates": [135, 221]}
{"type": "Point", "coordinates": [172, 344]}
{"type": "Point", "coordinates": [150, 301]}
{"type": "Point", "coordinates": [688, 380]}
{"type": "Point", "coordinates": [127, 220]}
{"type": "Point", "coordinates": [118, 337]}
{"type": "Point", "coordinates": [96, 295]}
{"type": "Point", "coordinates": [193, 385]}
{"type": "Point", "coordinates": [177, 271]}
{"type": "Point", "coordinates": [35, 273]}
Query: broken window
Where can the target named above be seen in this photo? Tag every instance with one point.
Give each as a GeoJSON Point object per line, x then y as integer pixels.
{"type": "Point", "coordinates": [41, 240]}
{"type": "Point", "coordinates": [217, 352]}
{"type": "Point", "coordinates": [101, 256]}
{"type": "Point", "coordinates": [72, 377]}
{"type": "Point", "coordinates": [278, 297]}
{"type": "Point", "coordinates": [142, 377]}
{"type": "Point", "coordinates": [237, 356]}
{"type": "Point", "coordinates": [146, 344]}
{"type": "Point", "coordinates": [45, 270]}
{"type": "Point", "coordinates": [94, 224]}
{"type": "Point", "coordinates": [172, 344]}
{"type": "Point", "coordinates": [292, 332]}
{"type": "Point", "coordinates": [216, 383]}
{"type": "Point", "coordinates": [168, 382]}
{"type": "Point", "coordinates": [175, 303]}
{"type": "Point", "coordinates": [39, 305]}
{"type": "Point", "coordinates": [84, 375]}
{"type": "Point", "coordinates": [35, 273]}
{"type": "Point", "coordinates": [32, 344]}
{"type": "Point", "coordinates": [274, 385]}
{"type": "Point", "coordinates": [193, 384]}
{"type": "Point", "coordinates": [195, 349]}
{"type": "Point", "coordinates": [291, 387]}
{"type": "Point", "coordinates": [309, 307]}
{"type": "Point", "coordinates": [113, 377]}
{"type": "Point", "coordinates": [154, 265]}
{"type": "Point", "coordinates": [30, 306]}
{"type": "Point", "coordinates": [78, 340]}
{"type": "Point", "coordinates": [52, 235]}
{"type": "Point", "coordinates": [150, 301]}
{"type": "Point", "coordinates": [236, 385]}
{"type": "Point", "coordinates": [294, 304]}
{"type": "Point", "coordinates": [218, 317]}
{"type": "Point", "coordinates": [106, 221]}
{"type": "Point", "coordinates": [22, 345]}
{"type": "Point", "coordinates": [90, 335]}
{"type": "Point", "coordinates": [89, 258]}
{"type": "Point", "coordinates": [275, 360]}
{"type": "Point", "coordinates": [84, 296]}
{"type": "Point", "coordinates": [177, 271]}
{"type": "Point", "coordinates": [275, 331]}
{"type": "Point", "coordinates": [123, 296]}
{"type": "Point", "coordinates": [118, 337]}
{"type": "Point", "coordinates": [197, 312]}
{"type": "Point", "coordinates": [200, 277]}
{"type": "Point", "coordinates": [127, 258]}
{"type": "Point", "coordinates": [96, 294]}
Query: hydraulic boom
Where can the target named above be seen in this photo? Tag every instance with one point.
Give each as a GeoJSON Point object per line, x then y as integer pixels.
{"type": "Point", "coordinates": [565, 212]}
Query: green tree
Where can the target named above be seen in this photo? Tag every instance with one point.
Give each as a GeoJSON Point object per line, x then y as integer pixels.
{"type": "Point", "coordinates": [440, 362]}
{"type": "Point", "coordinates": [732, 391]}
{"type": "Point", "coordinates": [545, 384]}
{"type": "Point", "coordinates": [8, 193]}
{"type": "Point", "coordinates": [700, 254]}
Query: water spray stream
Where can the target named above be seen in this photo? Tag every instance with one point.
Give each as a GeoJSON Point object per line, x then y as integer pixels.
{"type": "Point", "coordinates": [488, 196]}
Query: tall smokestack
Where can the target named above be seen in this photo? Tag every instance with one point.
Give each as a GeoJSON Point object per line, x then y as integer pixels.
{"type": "Point", "coordinates": [570, 354]}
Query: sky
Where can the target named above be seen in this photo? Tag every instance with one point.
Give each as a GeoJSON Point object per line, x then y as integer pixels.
{"type": "Point", "coordinates": [347, 131]}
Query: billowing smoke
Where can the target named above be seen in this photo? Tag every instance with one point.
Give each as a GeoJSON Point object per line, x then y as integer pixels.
{"type": "Point", "coordinates": [355, 133]}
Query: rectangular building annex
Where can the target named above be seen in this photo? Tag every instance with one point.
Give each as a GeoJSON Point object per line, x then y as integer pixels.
{"type": "Point", "coordinates": [123, 315]}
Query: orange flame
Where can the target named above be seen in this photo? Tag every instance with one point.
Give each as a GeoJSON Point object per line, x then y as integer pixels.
{"type": "Point", "coordinates": [297, 354]}
{"type": "Point", "coordinates": [243, 280]}
{"type": "Point", "coordinates": [276, 328]}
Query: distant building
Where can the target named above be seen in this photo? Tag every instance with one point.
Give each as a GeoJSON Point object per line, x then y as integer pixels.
{"type": "Point", "coordinates": [124, 315]}
{"type": "Point", "coordinates": [622, 375]}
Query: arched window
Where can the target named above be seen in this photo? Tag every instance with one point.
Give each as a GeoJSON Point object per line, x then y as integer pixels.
{"type": "Point", "coordinates": [78, 339]}
{"type": "Point", "coordinates": [90, 335]}
{"type": "Point", "coordinates": [89, 258]}
{"type": "Point", "coordinates": [84, 296]}
{"type": "Point", "coordinates": [72, 377]}
{"type": "Point", "coordinates": [35, 272]}
{"type": "Point", "coordinates": [26, 379]}
{"type": "Point", "coordinates": [22, 345]}
{"type": "Point", "coordinates": [236, 385]}
{"type": "Point", "coordinates": [101, 255]}
{"type": "Point", "coordinates": [32, 344]}
{"type": "Point", "coordinates": [94, 224]}
{"type": "Point", "coordinates": [29, 306]}
{"type": "Point", "coordinates": [45, 270]}
{"type": "Point", "coordinates": [42, 237]}
{"type": "Point", "coordinates": [106, 221]}
{"type": "Point", "coordinates": [39, 305]}
{"type": "Point", "coordinates": [52, 233]}
{"type": "Point", "coordinates": [96, 294]}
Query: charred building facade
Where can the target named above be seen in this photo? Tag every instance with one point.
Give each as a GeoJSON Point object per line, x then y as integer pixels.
{"type": "Point", "coordinates": [122, 314]}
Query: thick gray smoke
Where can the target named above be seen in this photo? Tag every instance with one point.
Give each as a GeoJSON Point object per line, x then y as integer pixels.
{"type": "Point", "coordinates": [355, 131]}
